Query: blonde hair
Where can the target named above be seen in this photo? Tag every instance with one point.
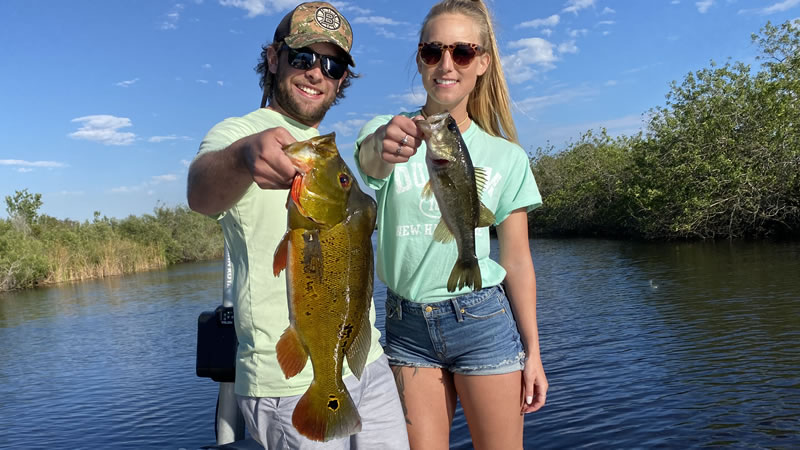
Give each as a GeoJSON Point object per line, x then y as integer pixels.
{"type": "Point", "coordinates": [489, 103]}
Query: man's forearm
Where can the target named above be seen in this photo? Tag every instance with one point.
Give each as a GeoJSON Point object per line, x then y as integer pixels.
{"type": "Point", "coordinates": [217, 180]}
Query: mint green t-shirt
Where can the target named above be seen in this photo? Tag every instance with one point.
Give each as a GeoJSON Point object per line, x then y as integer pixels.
{"type": "Point", "coordinates": [252, 229]}
{"type": "Point", "coordinates": [410, 262]}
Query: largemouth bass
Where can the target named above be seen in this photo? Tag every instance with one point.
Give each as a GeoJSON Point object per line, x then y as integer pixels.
{"type": "Point", "coordinates": [327, 254]}
{"type": "Point", "coordinates": [456, 185]}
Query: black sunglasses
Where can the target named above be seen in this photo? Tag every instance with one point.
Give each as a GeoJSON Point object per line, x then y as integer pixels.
{"type": "Point", "coordinates": [462, 53]}
{"type": "Point", "coordinates": [305, 58]}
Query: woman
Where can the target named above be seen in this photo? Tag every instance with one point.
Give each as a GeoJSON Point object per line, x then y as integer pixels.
{"type": "Point", "coordinates": [443, 345]}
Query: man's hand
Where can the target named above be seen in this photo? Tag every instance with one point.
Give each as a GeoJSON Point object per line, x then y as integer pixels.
{"type": "Point", "coordinates": [264, 158]}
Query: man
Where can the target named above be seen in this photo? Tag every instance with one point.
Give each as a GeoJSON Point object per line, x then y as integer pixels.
{"type": "Point", "coordinates": [241, 176]}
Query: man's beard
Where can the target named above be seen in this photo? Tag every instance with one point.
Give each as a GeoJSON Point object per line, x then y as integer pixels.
{"type": "Point", "coordinates": [285, 99]}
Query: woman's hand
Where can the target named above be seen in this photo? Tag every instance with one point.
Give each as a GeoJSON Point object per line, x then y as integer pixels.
{"type": "Point", "coordinates": [399, 139]}
{"type": "Point", "coordinates": [534, 385]}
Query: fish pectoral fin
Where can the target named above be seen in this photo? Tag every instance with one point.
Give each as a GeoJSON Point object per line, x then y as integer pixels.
{"type": "Point", "coordinates": [442, 233]}
{"type": "Point", "coordinates": [292, 356]}
{"type": "Point", "coordinates": [312, 252]}
{"type": "Point", "coordinates": [486, 218]}
{"type": "Point", "coordinates": [427, 190]}
{"type": "Point", "coordinates": [359, 349]}
{"type": "Point", "coordinates": [281, 253]}
{"type": "Point", "coordinates": [480, 179]}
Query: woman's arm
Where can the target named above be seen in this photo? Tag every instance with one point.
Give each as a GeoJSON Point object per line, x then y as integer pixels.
{"type": "Point", "coordinates": [520, 282]}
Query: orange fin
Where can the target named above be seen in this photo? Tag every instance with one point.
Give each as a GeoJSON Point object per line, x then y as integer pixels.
{"type": "Point", "coordinates": [292, 356]}
{"type": "Point", "coordinates": [324, 414]}
{"type": "Point", "coordinates": [466, 272]}
{"type": "Point", "coordinates": [281, 253]}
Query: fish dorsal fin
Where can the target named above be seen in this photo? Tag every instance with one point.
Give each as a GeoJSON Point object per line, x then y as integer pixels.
{"type": "Point", "coordinates": [442, 233]}
{"type": "Point", "coordinates": [486, 217]}
{"type": "Point", "coordinates": [427, 191]}
{"type": "Point", "coordinates": [359, 349]}
{"type": "Point", "coordinates": [480, 179]}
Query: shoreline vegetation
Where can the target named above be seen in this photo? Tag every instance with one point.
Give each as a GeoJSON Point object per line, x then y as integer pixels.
{"type": "Point", "coordinates": [721, 160]}
{"type": "Point", "coordinates": [40, 250]}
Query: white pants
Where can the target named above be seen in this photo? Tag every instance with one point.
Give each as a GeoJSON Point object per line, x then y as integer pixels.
{"type": "Point", "coordinates": [383, 426]}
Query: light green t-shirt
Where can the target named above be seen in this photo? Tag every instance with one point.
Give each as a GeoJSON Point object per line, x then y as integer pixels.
{"type": "Point", "coordinates": [410, 263]}
{"type": "Point", "coordinates": [252, 228]}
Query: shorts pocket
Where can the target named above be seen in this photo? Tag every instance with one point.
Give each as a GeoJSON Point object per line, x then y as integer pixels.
{"type": "Point", "coordinates": [391, 308]}
{"type": "Point", "coordinates": [484, 310]}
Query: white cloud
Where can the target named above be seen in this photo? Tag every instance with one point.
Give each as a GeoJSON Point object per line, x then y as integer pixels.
{"type": "Point", "coordinates": [260, 7]}
{"type": "Point", "coordinates": [24, 170]}
{"type": "Point", "coordinates": [348, 127]}
{"type": "Point", "coordinates": [145, 186]}
{"type": "Point", "coordinates": [127, 83]}
{"type": "Point", "coordinates": [206, 66]}
{"type": "Point", "coordinates": [606, 22]}
{"type": "Point", "coordinates": [104, 129]}
{"type": "Point", "coordinates": [171, 137]}
{"type": "Point", "coordinates": [546, 32]}
{"type": "Point", "coordinates": [23, 163]}
{"type": "Point", "coordinates": [626, 125]}
{"type": "Point", "coordinates": [378, 20]}
{"type": "Point", "coordinates": [220, 83]}
{"type": "Point", "coordinates": [163, 178]}
{"type": "Point", "coordinates": [565, 96]}
{"type": "Point", "coordinates": [608, 10]}
{"type": "Point", "coordinates": [574, 6]}
{"type": "Point", "coordinates": [172, 18]}
{"type": "Point", "coordinates": [567, 47]}
{"type": "Point", "coordinates": [348, 7]}
{"type": "Point", "coordinates": [578, 33]}
{"type": "Point", "coordinates": [202, 81]}
{"type": "Point", "coordinates": [538, 52]}
{"type": "Point", "coordinates": [704, 5]}
{"type": "Point", "coordinates": [413, 98]}
{"type": "Point", "coordinates": [546, 22]}
{"type": "Point", "coordinates": [777, 7]}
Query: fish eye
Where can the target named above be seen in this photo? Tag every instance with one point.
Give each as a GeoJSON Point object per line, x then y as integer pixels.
{"type": "Point", "coordinates": [344, 180]}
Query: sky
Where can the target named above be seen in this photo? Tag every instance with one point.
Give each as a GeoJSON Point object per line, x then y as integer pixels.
{"type": "Point", "coordinates": [103, 104]}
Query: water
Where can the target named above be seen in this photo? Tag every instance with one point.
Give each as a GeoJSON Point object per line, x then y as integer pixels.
{"type": "Point", "coordinates": [644, 345]}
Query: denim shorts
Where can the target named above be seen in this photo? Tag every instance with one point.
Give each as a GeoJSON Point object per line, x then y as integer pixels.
{"type": "Point", "coordinates": [472, 334]}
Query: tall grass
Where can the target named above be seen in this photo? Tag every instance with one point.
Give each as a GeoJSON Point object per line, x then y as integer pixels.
{"type": "Point", "coordinates": [50, 250]}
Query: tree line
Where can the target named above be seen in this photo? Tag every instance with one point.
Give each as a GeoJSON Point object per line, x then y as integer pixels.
{"type": "Point", "coordinates": [720, 160]}
{"type": "Point", "coordinates": [38, 249]}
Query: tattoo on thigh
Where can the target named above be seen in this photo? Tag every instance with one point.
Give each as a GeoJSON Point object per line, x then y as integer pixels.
{"type": "Point", "coordinates": [398, 380]}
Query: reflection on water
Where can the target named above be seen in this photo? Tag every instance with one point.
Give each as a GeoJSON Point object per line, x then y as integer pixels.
{"type": "Point", "coordinates": [644, 345]}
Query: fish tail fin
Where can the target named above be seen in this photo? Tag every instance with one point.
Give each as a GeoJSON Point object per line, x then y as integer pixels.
{"type": "Point", "coordinates": [466, 272]}
{"type": "Point", "coordinates": [324, 413]}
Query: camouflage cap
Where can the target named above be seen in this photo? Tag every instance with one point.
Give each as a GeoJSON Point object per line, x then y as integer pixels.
{"type": "Point", "coordinates": [314, 22]}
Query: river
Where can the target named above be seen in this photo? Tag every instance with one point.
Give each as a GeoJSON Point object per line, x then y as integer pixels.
{"type": "Point", "coordinates": [668, 345]}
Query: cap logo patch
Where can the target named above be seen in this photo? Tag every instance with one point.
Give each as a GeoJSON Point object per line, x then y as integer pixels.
{"type": "Point", "coordinates": [328, 18]}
